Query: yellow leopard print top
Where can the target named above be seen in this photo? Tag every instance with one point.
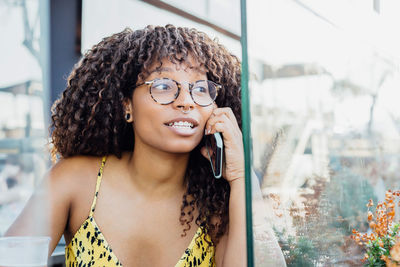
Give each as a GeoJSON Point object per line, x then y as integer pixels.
{"type": "Point", "coordinates": [88, 247]}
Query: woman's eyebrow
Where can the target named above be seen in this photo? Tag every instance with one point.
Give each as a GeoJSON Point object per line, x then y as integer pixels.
{"type": "Point", "coordinates": [161, 69]}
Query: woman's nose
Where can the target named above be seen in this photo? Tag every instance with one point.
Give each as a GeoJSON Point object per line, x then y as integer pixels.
{"type": "Point", "coordinates": [184, 99]}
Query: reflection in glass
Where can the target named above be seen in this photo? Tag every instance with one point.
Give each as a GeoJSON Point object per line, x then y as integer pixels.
{"type": "Point", "coordinates": [22, 158]}
{"type": "Point", "coordinates": [325, 122]}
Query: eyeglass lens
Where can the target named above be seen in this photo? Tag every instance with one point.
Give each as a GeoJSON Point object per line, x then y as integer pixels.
{"type": "Point", "coordinates": [165, 91]}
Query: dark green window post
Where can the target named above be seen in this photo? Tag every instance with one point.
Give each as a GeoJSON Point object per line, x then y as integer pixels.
{"type": "Point", "coordinates": [246, 134]}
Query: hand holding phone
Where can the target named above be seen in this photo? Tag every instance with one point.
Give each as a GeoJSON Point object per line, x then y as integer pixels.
{"type": "Point", "coordinates": [215, 151]}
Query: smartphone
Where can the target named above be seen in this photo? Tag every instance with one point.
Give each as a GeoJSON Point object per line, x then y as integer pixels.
{"type": "Point", "coordinates": [215, 150]}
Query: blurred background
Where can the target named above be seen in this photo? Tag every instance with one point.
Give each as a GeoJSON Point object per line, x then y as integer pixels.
{"type": "Point", "coordinates": [324, 85]}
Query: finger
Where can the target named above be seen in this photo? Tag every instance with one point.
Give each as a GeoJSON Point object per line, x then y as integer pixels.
{"type": "Point", "coordinates": [217, 119]}
{"type": "Point", "coordinates": [229, 128]}
{"type": "Point", "coordinates": [214, 119]}
{"type": "Point", "coordinates": [228, 112]}
{"type": "Point", "coordinates": [223, 128]}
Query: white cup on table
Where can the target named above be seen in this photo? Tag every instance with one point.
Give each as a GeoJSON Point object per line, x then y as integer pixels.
{"type": "Point", "coordinates": [24, 251]}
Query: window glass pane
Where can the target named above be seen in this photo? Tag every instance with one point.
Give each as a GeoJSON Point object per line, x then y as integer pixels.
{"type": "Point", "coordinates": [23, 159]}
{"type": "Point", "coordinates": [101, 19]}
{"type": "Point", "coordinates": [324, 81]}
{"type": "Point", "coordinates": [224, 13]}
{"type": "Point", "coordinates": [118, 16]}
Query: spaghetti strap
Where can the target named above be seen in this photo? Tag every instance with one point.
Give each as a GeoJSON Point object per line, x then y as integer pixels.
{"type": "Point", "coordinates": [99, 176]}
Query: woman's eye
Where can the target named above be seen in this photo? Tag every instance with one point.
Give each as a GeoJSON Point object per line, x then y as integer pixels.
{"type": "Point", "coordinates": [162, 87]}
{"type": "Point", "coordinates": [200, 89]}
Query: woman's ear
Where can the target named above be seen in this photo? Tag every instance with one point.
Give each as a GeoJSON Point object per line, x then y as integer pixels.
{"type": "Point", "coordinates": [128, 110]}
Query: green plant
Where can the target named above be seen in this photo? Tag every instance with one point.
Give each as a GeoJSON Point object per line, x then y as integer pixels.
{"type": "Point", "coordinates": [383, 244]}
{"type": "Point", "coordinates": [298, 251]}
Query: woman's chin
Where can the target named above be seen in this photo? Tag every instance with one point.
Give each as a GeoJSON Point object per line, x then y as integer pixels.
{"type": "Point", "coordinates": [180, 147]}
{"type": "Point", "coordinates": [180, 150]}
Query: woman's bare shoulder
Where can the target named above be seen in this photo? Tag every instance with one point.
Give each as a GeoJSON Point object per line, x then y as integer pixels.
{"type": "Point", "coordinates": [74, 166]}
{"type": "Point", "coordinates": [74, 172]}
{"type": "Point", "coordinates": [60, 188]}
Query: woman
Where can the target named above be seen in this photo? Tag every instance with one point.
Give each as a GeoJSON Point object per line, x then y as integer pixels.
{"type": "Point", "coordinates": [134, 186]}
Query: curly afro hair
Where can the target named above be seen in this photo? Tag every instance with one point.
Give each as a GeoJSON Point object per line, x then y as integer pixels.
{"type": "Point", "coordinates": [88, 119]}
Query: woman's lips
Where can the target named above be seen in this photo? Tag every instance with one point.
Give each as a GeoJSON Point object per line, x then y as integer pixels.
{"type": "Point", "coordinates": [185, 126]}
{"type": "Point", "coordinates": [183, 120]}
{"type": "Point", "coordinates": [182, 130]}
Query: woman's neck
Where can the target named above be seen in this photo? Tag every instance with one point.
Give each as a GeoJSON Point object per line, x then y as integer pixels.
{"type": "Point", "coordinates": [157, 173]}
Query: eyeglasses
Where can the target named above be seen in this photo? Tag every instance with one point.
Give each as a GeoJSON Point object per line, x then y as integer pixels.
{"type": "Point", "coordinates": [166, 91]}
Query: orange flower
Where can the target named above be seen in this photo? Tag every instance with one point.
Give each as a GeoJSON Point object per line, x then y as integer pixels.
{"type": "Point", "coordinates": [395, 252]}
{"type": "Point", "coordinates": [370, 216]}
{"type": "Point", "coordinates": [380, 224]}
{"type": "Point", "coordinates": [390, 263]}
{"type": "Point", "coordinates": [372, 225]}
{"type": "Point", "coordinates": [391, 213]}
